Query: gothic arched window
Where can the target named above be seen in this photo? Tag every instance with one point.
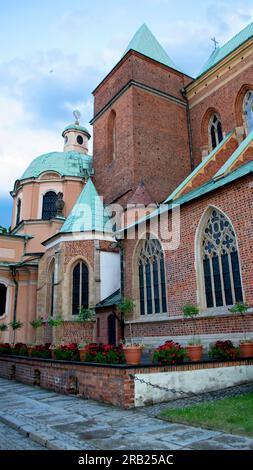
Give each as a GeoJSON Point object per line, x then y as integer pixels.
{"type": "Point", "coordinates": [152, 284]}
{"type": "Point", "coordinates": [80, 288]}
{"type": "Point", "coordinates": [112, 140]}
{"type": "Point", "coordinates": [3, 295]}
{"type": "Point", "coordinates": [215, 131]}
{"type": "Point", "coordinates": [221, 268]}
{"type": "Point", "coordinates": [248, 110]}
{"type": "Point", "coordinates": [49, 205]}
{"type": "Point", "coordinates": [18, 211]}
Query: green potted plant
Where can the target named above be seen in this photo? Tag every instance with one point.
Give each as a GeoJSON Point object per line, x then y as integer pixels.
{"type": "Point", "coordinates": [37, 323]}
{"type": "Point", "coordinates": [194, 347]}
{"type": "Point", "coordinates": [56, 322]}
{"type": "Point", "coordinates": [246, 345]}
{"type": "Point", "coordinates": [15, 325]}
{"type": "Point", "coordinates": [133, 350]}
{"type": "Point", "coordinates": [84, 315]}
{"type": "Point", "coordinates": [3, 327]}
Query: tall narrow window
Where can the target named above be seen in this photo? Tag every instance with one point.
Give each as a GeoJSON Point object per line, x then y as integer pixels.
{"type": "Point", "coordinates": [248, 110]}
{"type": "Point", "coordinates": [3, 294]}
{"type": "Point", "coordinates": [49, 205]}
{"type": "Point", "coordinates": [80, 288]}
{"type": "Point", "coordinates": [215, 131]}
{"type": "Point", "coordinates": [112, 136]}
{"type": "Point", "coordinates": [152, 284]}
{"type": "Point", "coordinates": [221, 270]}
{"type": "Point", "coordinates": [18, 211]}
{"type": "Point", "coordinates": [51, 288]}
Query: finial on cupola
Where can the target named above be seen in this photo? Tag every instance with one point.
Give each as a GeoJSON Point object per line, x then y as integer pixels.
{"type": "Point", "coordinates": [75, 136]}
{"type": "Point", "coordinates": [77, 115]}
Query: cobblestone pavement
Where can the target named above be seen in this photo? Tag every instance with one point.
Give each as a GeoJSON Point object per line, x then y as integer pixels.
{"type": "Point", "coordinates": [66, 422]}
{"type": "Point", "coordinates": [13, 440]}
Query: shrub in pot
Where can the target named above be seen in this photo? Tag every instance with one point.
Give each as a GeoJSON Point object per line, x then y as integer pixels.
{"type": "Point", "coordinates": [41, 350]}
{"type": "Point", "coordinates": [68, 352]}
{"type": "Point", "coordinates": [194, 347]}
{"type": "Point", "coordinates": [20, 349]}
{"type": "Point", "coordinates": [104, 354]}
{"type": "Point", "coordinates": [5, 348]}
{"type": "Point", "coordinates": [224, 350]}
{"type": "Point", "coordinates": [246, 345]}
{"type": "Point", "coordinates": [36, 324]}
{"type": "Point", "coordinates": [169, 353]}
{"type": "Point", "coordinates": [133, 351]}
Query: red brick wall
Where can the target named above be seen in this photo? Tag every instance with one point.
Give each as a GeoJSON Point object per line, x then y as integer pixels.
{"type": "Point", "coordinates": [235, 200]}
{"type": "Point", "coordinates": [102, 331]}
{"type": "Point", "coordinates": [151, 132]}
{"type": "Point", "coordinates": [222, 95]}
{"type": "Point", "coordinates": [106, 384]}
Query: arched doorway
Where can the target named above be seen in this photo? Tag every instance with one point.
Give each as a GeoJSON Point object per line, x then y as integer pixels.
{"type": "Point", "coordinates": [111, 330]}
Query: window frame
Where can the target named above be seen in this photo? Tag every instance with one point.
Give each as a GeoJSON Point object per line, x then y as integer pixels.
{"type": "Point", "coordinates": [213, 127]}
{"type": "Point", "coordinates": [80, 263]}
{"type": "Point", "coordinates": [43, 202]}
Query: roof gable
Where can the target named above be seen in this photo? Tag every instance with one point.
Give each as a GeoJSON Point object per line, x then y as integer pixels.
{"type": "Point", "coordinates": [145, 43]}
{"type": "Point", "coordinates": [221, 52]}
{"type": "Point", "coordinates": [88, 214]}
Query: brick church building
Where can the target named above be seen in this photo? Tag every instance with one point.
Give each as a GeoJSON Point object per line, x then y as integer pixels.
{"type": "Point", "coordinates": [161, 213]}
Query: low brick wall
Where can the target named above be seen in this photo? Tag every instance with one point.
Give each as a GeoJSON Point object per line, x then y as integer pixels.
{"type": "Point", "coordinates": [119, 385]}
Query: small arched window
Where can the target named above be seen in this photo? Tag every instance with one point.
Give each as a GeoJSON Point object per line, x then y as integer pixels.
{"type": "Point", "coordinates": [248, 110]}
{"type": "Point", "coordinates": [18, 212]}
{"type": "Point", "coordinates": [51, 288]}
{"type": "Point", "coordinates": [221, 268]}
{"type": "Point", "coordinates": [80, 287]}
{"type": "Point", "coordinates": [49, 205]}
{"type": "Point", "coordinates": [152, 284]}
{"type": "Point", "coordinates": [112, 136]}
{"type": "Point", "coordinates": [215, 131]}
{"type": "Point", "coordinates": [3, 295]}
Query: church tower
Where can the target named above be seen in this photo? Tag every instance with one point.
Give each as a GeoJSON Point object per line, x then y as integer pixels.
{"type": "Point", "coordinates": [140, 124]}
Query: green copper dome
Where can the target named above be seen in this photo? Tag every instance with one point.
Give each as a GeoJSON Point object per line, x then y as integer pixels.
{"type": "Point", "coordinates": [75, 127]}
{"type": "Point", "coordinates": [65, 163]}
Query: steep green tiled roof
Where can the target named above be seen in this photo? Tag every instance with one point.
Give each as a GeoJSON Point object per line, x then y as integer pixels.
{"type": "Point", "coordinates": [75, 127]}
{"type": "Point", "coordinates": [113, 299]}
{"type": "Point", "coordinates": [65, 163]}
{"type": "Point", "coordinates": [196, 170]}
{"type": "Point", "coordinates": [221, 52]}
{"type": "Point", "coordinates": [88, 213]}
{"type": "Point", "coordinates": [145, 43]}
{"type": "Point", "coordinates": [242, 147]}
{"type": "Point", "coordinates": [206, 188]}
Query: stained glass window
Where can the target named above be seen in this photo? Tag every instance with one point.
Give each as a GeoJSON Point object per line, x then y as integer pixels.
{"type": "Point", "coordinates": [215, 131]}
{"type": "Point", "coordinates": [80, 288]}
{"type": "Point", "coordinates": [3, 292]}
{"type": "Point", "coordinates": [248, 110]}
{"type": "Point", "coordinates": [152, 284]}
{"type": "Point", "coordinates": [49, 205]}
{"type": "Point", "coordinates": [221, 268]}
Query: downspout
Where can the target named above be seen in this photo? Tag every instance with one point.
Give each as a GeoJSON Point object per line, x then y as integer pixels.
{"type": "Point", "coordinates": [14, 277]}
{"type": "Point", "coordinates": [183, 91]}
{"type": "Point", "coordinates": [122, 288]}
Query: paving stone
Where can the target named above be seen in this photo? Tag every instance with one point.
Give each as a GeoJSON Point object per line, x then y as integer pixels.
{"type": "Point", "coordinates": [60, 422]}
{"type": "Point", "coordinates": [11, 439]}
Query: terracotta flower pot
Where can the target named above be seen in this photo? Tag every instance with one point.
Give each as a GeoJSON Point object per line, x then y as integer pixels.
{"type": "Point", "coordinates": [194, 352]}
{"type": "Point", "coordinates": [29, 350]}
{"type": "Point", "coordinates": [133, 354]}
{"type": "Point", "coordinates": [82, 353]}
{"type": "Point", "coordinates": [246, 349]}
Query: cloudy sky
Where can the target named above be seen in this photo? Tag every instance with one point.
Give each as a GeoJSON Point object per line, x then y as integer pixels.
{"type": "Point", "coordinates": [53, 55]}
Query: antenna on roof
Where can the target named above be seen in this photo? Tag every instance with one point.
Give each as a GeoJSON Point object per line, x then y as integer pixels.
{"type": "Point", "coordinates": [215, 42]}
{"type": "Point", "coordinates": [77, 115]}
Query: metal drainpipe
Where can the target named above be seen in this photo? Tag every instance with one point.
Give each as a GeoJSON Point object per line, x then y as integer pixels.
{"type": "Point", "coordinates": [14, 272]}
{"type": "Point", "coordinates": [122, 260]}
{"type": "Point", "coordinates": [183, 91]}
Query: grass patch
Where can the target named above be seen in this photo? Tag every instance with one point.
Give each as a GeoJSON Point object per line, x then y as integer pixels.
{"type": "Point", "coordinates": [233, 415]}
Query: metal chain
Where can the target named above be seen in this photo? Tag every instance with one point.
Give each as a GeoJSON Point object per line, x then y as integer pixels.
{"type": "Point", "coordinates": [160, 387]}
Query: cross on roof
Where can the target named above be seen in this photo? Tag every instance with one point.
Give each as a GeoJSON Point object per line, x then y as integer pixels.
{"type": "Point", "coordinates": [215, 42]}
